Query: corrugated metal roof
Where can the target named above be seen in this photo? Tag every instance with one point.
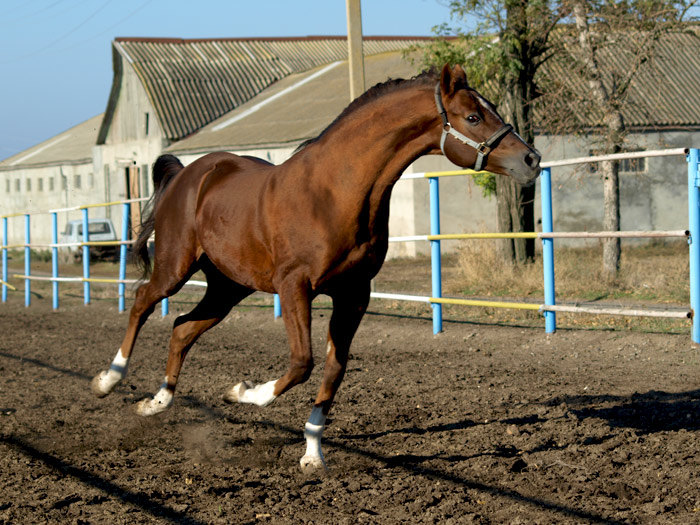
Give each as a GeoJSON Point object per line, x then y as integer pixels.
{"type": "Point", "coordinates": [285, 113]}
{"type": "Point", "coordinates": [192, 82]}
{"type": "Point", "coordinates": [664, 94]}
{"type": "Point", "coordinates": [73, 146]}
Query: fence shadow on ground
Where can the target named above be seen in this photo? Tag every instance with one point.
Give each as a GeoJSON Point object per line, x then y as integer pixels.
{"type": "Point", "coordinates": [137, 499]}
{"type": "Point", "coordinates": [649, 412]}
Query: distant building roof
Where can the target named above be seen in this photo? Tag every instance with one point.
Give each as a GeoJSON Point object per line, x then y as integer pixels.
{"type": "Point", "coordinates": [663, 95]}
{"type": "Point", "coordinates": [294, 109]}
{"type": "Point", "coordinates": [73, 146]}
{"type": "Point", "coordinates": [192, 82]}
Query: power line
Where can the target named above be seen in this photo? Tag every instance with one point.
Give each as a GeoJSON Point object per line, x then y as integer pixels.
{"type": "Point", "coordinates": [143, 5]}
{"type": "Point", "coordinates": [4, 21]}
{"type": "Point", "coordinates": [62, 37]}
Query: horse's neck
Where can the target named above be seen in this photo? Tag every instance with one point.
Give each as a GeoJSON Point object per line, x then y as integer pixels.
{"type": "Point", "coordinates": [378, 141]}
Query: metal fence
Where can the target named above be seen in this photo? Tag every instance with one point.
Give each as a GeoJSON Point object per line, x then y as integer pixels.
{"type": "Point", "coordinates": [547, 307]}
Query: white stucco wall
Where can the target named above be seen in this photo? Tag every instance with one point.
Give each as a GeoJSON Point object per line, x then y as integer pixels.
{"type": "Point", "coordinates": [42, 189]}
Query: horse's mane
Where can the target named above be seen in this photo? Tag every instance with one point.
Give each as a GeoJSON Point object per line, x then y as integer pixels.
{"type": "Point", "coordinates": [427, 77]}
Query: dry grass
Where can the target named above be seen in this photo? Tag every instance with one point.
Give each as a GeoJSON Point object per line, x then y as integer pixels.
{"type": "Point", "coordinates": [654, 272]}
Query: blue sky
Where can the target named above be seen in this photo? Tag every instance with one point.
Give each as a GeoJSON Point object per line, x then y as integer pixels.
{"type": "Point", "coordinates": [55, 55]}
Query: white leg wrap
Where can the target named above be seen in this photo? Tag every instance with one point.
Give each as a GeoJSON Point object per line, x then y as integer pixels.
{"type": "Point", "coordinates": [247, 392]}
{"type": "Point", "coordinates": [158, 403]}
{"type": "Point", "coordinates": [313, 431]}
{"type": "Point", "coordinates": [104, 382]}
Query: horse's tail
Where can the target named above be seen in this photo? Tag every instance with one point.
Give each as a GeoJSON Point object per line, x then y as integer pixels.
{"type": "Point", "coordinates": [164, 170]}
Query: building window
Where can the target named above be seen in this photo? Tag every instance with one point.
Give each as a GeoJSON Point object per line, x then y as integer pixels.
{"type": "Point", "coordinates": [64, 182]}
{"type": "Point", "coordinates": [50, 183]}
{"type": "Point", "coordinates": [29, 185]}
{"type": "Point", "coordinates": [76, 182]}
{"type": "Point", "coordinates": [40, 183]}
{"type": "Point", "coordinates": [7, 185]}
{"type": "Point", "coordinates": [18, 186]}
{"type": "Point", "coordinates": [145, 190]}
{"type": "Point", "coordinates": [633, 165]}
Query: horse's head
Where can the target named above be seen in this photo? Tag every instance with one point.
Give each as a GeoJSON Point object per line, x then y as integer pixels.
{"type": "Point", "coordinates": [475, 136]}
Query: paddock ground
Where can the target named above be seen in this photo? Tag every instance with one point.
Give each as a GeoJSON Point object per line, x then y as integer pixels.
{"type": "Point", "coordinates": [482, 424]}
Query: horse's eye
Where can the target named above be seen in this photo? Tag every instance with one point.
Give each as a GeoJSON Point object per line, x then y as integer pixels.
{"type": "Point", "coordinates": [473, 119]}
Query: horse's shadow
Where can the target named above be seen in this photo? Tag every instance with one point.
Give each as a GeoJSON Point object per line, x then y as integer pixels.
{"type": "Point", "coordinates": [646, 413]}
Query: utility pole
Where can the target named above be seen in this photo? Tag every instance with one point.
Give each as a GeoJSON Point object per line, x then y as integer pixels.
{"type": "Point", "coordinates": [355, 55]}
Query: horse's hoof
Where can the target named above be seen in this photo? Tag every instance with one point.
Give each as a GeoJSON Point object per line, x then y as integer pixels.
{"type": "Point", "coordinates": [235, 393]}
{"type": "Point", "coordinates": [99, 386]}
{"type": "Point", "coordinates": [312, 464]}
{"type": "Point", "coordinates": [150, 407]}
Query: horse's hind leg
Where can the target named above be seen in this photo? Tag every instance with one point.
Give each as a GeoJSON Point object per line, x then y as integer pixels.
{"type": "Point", "coordinates": [348, 308]}
{"type": "Point", "coordinates": [161, 285]}
{"type": "Point", "coordinates": [146, 298]}
{"type": "Point", "coordinates": [221, 295]}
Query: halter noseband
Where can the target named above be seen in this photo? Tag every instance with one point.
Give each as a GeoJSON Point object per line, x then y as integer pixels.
{"type": "Point", "coordinates": [482, 148]}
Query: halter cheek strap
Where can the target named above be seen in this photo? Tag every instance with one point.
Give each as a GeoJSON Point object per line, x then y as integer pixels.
{"type": "Point", "coordinates": [482, 148]}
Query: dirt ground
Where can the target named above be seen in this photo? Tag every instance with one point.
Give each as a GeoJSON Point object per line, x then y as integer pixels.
{"type": "Point", "coordinates": [480, 424]}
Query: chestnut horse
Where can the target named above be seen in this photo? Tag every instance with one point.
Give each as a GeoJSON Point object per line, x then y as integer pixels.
{"type": "Point", "coordinates": [316, 224]}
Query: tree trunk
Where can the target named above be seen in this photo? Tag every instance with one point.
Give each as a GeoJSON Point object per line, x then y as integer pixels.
{"type": "Point", "coordinates": [611, 219]}
{"type": "Point", "coordinates": [515, 214]}
{"type": "Point", "coordinates": [614, 136]}
{"type": "Point", "coordinates": [516, 203]}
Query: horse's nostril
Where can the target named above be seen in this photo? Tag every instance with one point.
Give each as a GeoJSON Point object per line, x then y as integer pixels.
{"type": "Point", "coordinates": [532, 159]}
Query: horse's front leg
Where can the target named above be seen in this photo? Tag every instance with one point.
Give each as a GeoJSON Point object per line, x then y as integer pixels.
{"type": "Point", "coordinates": [349, 306]}
{"type": "Point", "coordinates": [296, 312]}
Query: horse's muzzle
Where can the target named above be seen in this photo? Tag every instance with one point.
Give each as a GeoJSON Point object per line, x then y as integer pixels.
{"type": "Point", "coordinates": [528, 176]}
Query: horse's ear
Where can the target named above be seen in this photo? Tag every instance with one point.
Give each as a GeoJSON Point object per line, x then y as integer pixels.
{"type": "Point", "coordinates": [453, 79]}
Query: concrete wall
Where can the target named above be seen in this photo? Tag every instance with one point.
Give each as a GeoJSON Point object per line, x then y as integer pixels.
{"type": "Point", "coordinates": [653, 199]}
{"type": "Point", "coordinates": [133, 142]}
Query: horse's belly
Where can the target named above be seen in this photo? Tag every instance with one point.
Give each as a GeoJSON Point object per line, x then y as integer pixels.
{"type": "Point", "coordinates": [248, 268]}
{"type": "Point", "coordinates": [360, 263]}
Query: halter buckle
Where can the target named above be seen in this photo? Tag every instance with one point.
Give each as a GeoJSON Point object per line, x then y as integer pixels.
{"type": "Point", "coordinates": [483, 148]}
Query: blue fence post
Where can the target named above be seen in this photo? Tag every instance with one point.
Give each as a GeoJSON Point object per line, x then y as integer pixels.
{"type": "Point", "coordinates": [4, 259]}
{"type": "Point", "coordinates": [435, 257]}
{"type": "Point", "coordinates": [122, 256]}
{"type": "Point", "coordinates": [550, 318]}
{"type": "Point", "coordinates": [277, 306]}
{"type": "Point", "coordinates": [27, 262]}
{"type": "Point", "coordinates": [86, 257]}
{"type": "Point", "coordinates": [54, 258]}
{"type": "Point", "coordinates": [164, 307]}
{"type": "Point", "coordinates": [694, 240]}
